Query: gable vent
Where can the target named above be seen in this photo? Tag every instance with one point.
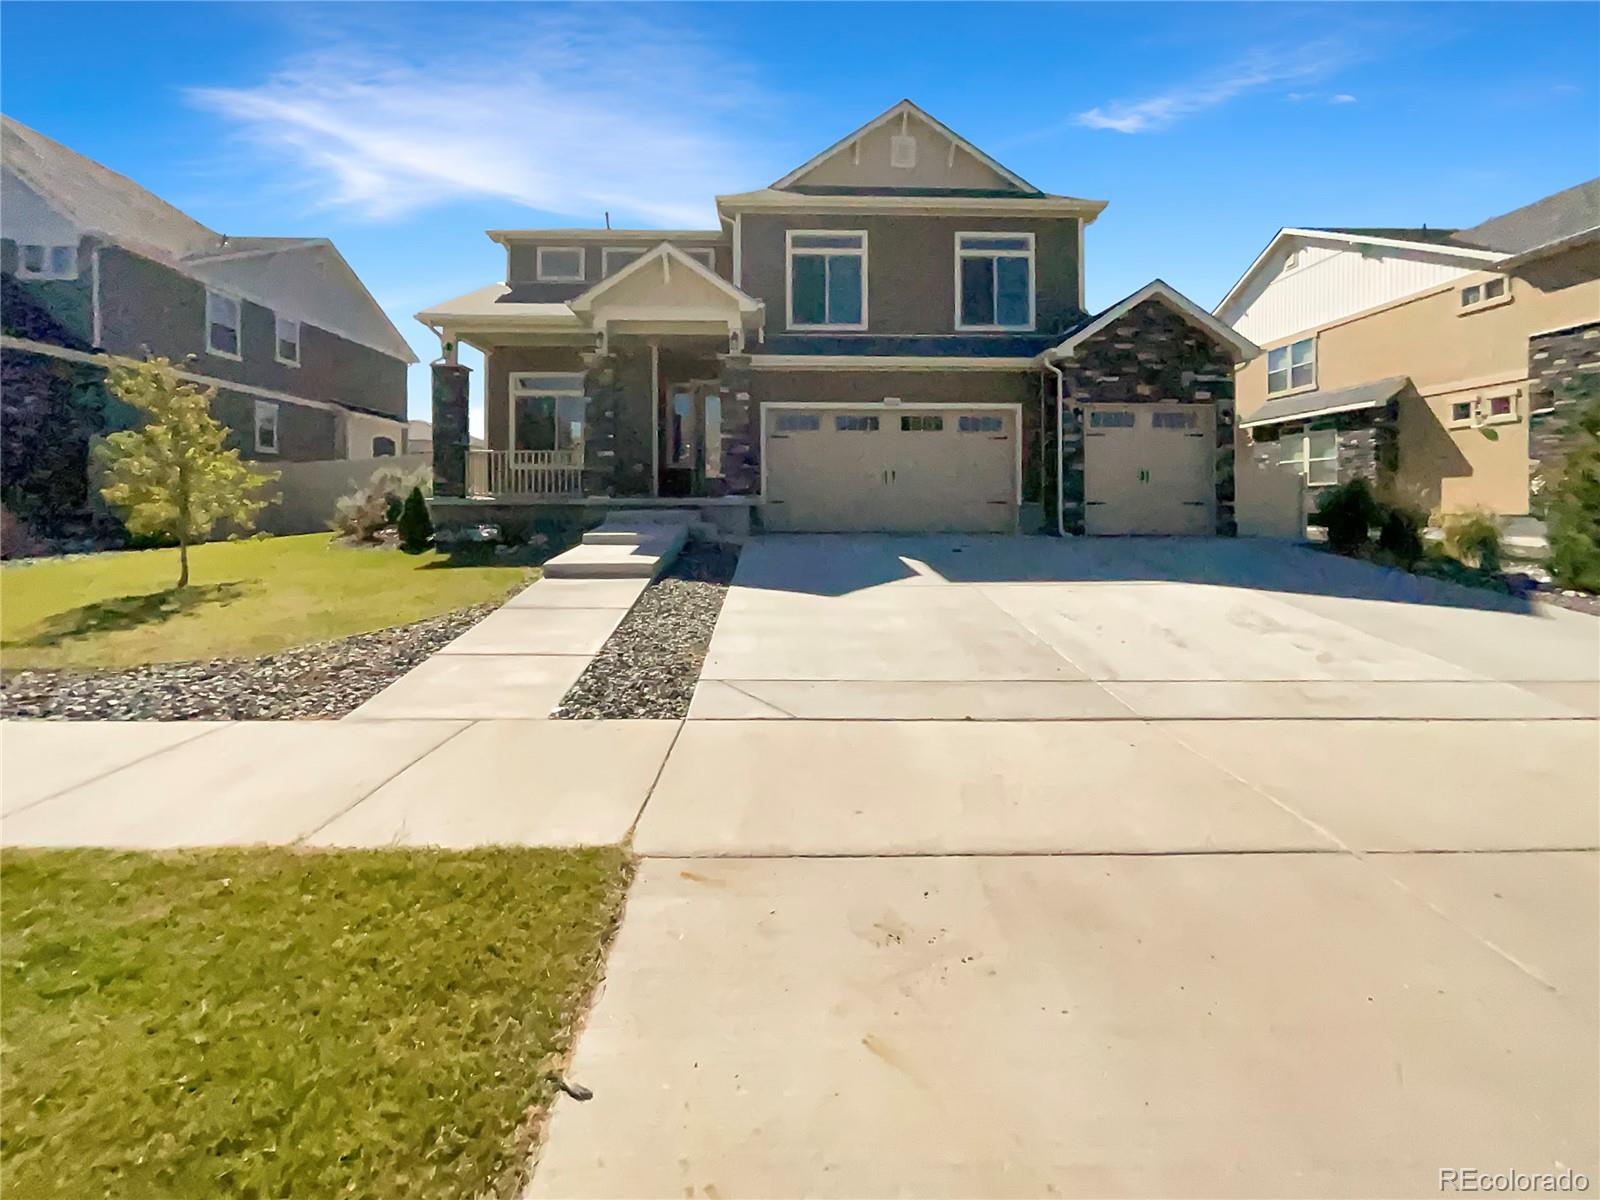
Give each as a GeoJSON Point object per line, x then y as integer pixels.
{"type": "Point", "coordinates": [903, 151]}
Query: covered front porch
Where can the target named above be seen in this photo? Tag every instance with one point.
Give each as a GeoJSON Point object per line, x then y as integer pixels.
{"type": "Point", "coordinates": [635, 390]}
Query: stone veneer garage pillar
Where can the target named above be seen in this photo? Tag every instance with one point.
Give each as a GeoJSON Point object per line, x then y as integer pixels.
{"type": "Point", "coordinates": [451, 437]}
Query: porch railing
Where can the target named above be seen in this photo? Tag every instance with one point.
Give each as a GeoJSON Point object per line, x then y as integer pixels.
{"type": "Point", "coordinates": [524, 473]}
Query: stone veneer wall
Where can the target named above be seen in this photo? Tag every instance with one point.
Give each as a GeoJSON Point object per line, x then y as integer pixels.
{"type": "Point", "coordinates": [451, 436]}
{"type": "Point", "coordinates": [741, 432]}
{"type": "Point", "coordinates": [1152, 355]}
{"type": "Point", "coordinates": [1369, 443]}
{"type": "Point", "coordinates": [1564, 366]}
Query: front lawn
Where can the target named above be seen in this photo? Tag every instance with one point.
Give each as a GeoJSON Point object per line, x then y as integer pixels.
{"type": "Point", "coordinates": [273, 1023]}
{"type": "Point", "coordinates": [245, 599]}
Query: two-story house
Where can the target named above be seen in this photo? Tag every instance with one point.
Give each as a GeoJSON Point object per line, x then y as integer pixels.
{"type": "Point", "coordinates": [305, 363]}
{"type": "Point", "coordinates": [1427, 361]}
{"type": "Point", "coordinates": [890, 337]}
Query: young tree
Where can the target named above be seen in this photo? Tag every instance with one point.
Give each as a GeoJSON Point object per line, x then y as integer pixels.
{"type": "Point", "coordinates": [172, 475]}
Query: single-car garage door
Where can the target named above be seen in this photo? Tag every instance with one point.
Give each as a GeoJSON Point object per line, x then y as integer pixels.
{"type": "Point", "coordinates": [892, 468]}
{"type": "Point", "coordinates": [1149, 468]}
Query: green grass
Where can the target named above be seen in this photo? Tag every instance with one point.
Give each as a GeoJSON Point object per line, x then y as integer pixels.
{"type": "Point", "coordinates": [271, 1023]}
{"type": "Point", "coordinates": [245, 599]}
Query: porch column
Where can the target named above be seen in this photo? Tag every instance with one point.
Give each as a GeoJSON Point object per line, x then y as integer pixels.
{"type": "Point", "coordinates": [450, 434]}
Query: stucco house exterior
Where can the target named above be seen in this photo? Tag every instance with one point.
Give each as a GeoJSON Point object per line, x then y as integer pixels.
{"type": "Point", "coordinates": [892, 336]}
{"type": "Point", "coordinates": [306, 364]}
{"type": "Point", "coordinates": [1428, 361]}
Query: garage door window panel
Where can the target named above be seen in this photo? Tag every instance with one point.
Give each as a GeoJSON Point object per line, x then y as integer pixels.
{"type": "Point", "coordinates": [849, 424]}
{"type": "Point", "coordinates": [922, 424]}
{"type": "Point", "coordinates": [981, 425]}
{"type": "Point", "coordinates": [1113, 419]}
{"type": "Point", "coordinates": [827, 280]}
{"type": "Point", "coordinates": [994, 281]}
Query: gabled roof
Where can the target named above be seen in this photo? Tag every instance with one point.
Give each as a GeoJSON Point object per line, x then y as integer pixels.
{"type": "Point", "coordinates": [113, 207]}
{"type": "Point", "coordinates": [1157, 289]}
{"type": "Point", "coordinates": [664, 257]}
{"type": "Point", "coordinates": [903, 110]}
{"type": "Point", "coordinates": [488, 306]}
{"type": "Point", "coordinates": [1558, 218]}
{"type": "Point", "coordinates": [1447, 246]}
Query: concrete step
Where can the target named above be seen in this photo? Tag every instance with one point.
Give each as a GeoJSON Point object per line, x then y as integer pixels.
{"type": "Point", "coordinates": [652, 516]}
{"type": "Point", "coordinates": [605, 535]}
{"type": "Point", "coordinates": [645, 558]}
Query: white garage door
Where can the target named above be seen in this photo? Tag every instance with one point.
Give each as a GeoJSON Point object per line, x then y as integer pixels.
{"type": "Point", "coordinates": [891, 468]}
{"type": "Point", "coordinates": [1149, 468]}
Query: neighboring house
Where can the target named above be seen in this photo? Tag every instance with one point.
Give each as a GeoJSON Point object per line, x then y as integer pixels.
{"type": "Point", "coordinates": [890, 337]}
{"type": "Point", "coordinates": [305, 363]}
{"type": "Point", "coordinates": [419, 438]}
{"type": "Point", "coordinates": [1420, 358]}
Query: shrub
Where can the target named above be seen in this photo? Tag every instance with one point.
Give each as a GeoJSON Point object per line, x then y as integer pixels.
{"type": "Point", "coordinates": [378, 504]}
{"type": "Point", "coordinates": [1348, 512]}
{"type": "Point", "coordinates": [1473, 537]}
{"type": "Point", "coordinates": [1572, 506]}
{"type": "Point", "coordinates": [1400, 533]}
{"type": "Point", "coordinates": [415, 526]}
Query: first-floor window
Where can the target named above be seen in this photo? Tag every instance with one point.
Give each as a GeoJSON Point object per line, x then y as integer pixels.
{"type": "Point", "coordinates": [827, 280]}
{"type": "Point", "coordinates": [1292, 367]}
{"type": "Point", "coordinates": [994, 280]}
{"type": "Point", "coordinates": [1313, 455]}
{"type": "Point", "coordinates": [287, 337]}
{"type": "Point", "coordinates": [266, 427]}
{"type": "Point", "coordinates": [47, 262]}
{"type": "Point", "coordinates": [383, 447]}
{"type": "Point", "coordinates": [548, 412]}
{"type": "Point", "coordinates": [222, 325]}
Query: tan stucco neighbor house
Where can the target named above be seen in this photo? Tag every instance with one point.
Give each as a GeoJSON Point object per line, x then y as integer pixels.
{"type": "Point", "coordinates": [890, 337]}
{"type": "Point", "coordinates": [1425, 360]}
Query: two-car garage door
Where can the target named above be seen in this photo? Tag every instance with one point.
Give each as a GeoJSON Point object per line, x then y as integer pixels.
{"type": "Point", "coordinates": [891, 467]}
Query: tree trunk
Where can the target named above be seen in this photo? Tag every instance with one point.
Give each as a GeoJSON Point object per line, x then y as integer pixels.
{"type": "Point", "coordinates": [183, 527]}
{"type": "Point", "coordinates": [183, 559]}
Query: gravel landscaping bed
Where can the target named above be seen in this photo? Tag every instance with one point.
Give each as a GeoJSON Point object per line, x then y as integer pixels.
{"type": "Point", "coordinates": [326, 679]}
{"type": "Point", "coordinates": [649, 666]}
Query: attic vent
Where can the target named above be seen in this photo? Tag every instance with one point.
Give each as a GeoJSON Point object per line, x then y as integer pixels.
{"type": "Point", "coordinates": [903, 151]}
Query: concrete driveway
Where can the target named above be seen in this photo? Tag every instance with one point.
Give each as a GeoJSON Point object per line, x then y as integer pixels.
{"type": "Point", "coordinates": [1002, 867]}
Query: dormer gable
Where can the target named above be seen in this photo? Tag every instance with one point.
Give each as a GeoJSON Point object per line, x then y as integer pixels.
{"type": "Point", "coordinates": [904, 150]}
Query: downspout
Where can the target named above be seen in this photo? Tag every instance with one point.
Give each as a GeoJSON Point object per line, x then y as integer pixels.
{"type": "Point", "coordinates": [1061, 524]}
{"type": "Point", "coordinates": [655, 418]}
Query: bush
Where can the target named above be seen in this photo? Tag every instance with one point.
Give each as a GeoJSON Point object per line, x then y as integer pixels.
{"type": "Point", "coordinates": [371, 508]}
{"type": "Point", "coordinates": [1400, 533]}
{"type": "Point", "coordinates": [1473, 537]}
{"type": "Point", "coordinates": [415, 526]}
{"type": "Point", "coordinates": [1572, 506]}
{"type": "Point", "coordinates": [1348, 512]}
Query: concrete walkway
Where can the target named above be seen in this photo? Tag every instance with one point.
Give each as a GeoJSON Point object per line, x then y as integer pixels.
{"type": "Point", "coordinates": [994, 867]}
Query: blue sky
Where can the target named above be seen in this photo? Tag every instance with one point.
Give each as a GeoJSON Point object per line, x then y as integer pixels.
{"type": "Point", "coordinates": [404, 131]}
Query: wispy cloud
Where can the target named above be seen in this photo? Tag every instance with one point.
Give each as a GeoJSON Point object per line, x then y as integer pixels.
{"type": "Point", "coordinates": [1342, 98]}
{"type": "Point", "coordinates": [1260, 70]}
{"type": "Point", "coordinates": [563, 112]}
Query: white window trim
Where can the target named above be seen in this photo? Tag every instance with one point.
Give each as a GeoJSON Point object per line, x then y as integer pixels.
{"type": "Point", "coordinates": [1033, 279]}
{"type": "Point", "coordinates": [1316, 357]}
{"type": "Point", "coordinates": [1479, 405]}
{"type": "Point", "coordinates": [788, 276]}
{"type": "Point", "coordinates": [263, 408]}
{"type": "Point", "coordinates": [606, 252]}
{"type": "Point", "coordinates": [520, 384]}
{"type": "Point", "coordinates": [538, 264]}
{"type": "Point", "coordinates": [238, 329]}
{"type": "Point", "coordinates": [278, 339]}
{"type": "Point", "coordinates": [45, 254]}
{"type": "Point", "coordinates": [1480, 304]}
{"type": "Point", "coordinates": [1304, 458]}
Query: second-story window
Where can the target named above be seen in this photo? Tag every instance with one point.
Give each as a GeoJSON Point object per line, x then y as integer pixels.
{"type": "Point", "coordinates": [559, 264]}
{"type": "Point", "coordinates": [827, 279]}
{"type": "Point", "coordinates": [47, 262]}
{"type": "Point", "coordinates": [614, 258]}
{"type": "Point", "coordinates": [288, 341]}
{"type": "Point", "coordinates": [704, 255]}
{"type": "Point", "coordinates": [994, 281]}
{"type": "Point", "coordinates": [1292, 367]}
{"type": "Point", "coordinates": [222, 325]}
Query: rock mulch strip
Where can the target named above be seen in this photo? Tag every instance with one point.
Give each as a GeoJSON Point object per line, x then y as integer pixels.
{"type": "Point", "coordinates": [649, 665]}
{"type": "Point", "coordinates": [323, 680]}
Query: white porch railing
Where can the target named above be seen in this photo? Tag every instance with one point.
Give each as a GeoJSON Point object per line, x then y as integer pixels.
{"type": "Point", "coordinates": [524, 473]}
